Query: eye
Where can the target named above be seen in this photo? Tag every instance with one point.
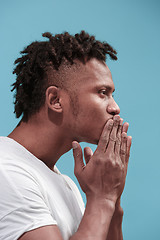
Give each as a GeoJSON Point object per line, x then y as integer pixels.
{"type": "Point", "coordinates": [103, 92]}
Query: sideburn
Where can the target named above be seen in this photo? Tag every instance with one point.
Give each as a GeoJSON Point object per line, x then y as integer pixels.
{"type": "Point", "coordinates": [74, 103]}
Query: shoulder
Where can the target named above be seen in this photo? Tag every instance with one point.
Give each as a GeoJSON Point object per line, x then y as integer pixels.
{"type": "Point", "coordinates": [22, 203]}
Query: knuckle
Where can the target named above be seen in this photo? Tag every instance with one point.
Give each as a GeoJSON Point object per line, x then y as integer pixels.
{"type": "Point", "coordinates": [109, 125]}
{"type": "Point", "coordinates": [77, 154]}
{"type": "Point", "coordinates": [104, 138]}
{"type": "Point", "coordinates": [116, 123]}
{"type": "Point", "coordinates": [124, 138]}
{"type": "Point", "coordinates": [123, 152]}
{"type": "Point", "coordinates": [113, 139]}
{"type": "Point", "coordinates": [110, 160]}
{"type": "Point", "coordinates": [98, 161]}
{"type": "Point", "coordinates": [118, 141]}
{"type": "Point", "coordinates": [119, 134]}
{"type": "Point", "coordinates": [110, 156]}
{"type": "Point", "coordinates": [128, 153]}
{"type": "Point", "coordinates": [108, 164]}
{"type": "Point", "coordinates": [117, 164]}
{"type": "Point", "coordinates": [120, 128]}
{"type": "Point", "coordinates": [121, 165]}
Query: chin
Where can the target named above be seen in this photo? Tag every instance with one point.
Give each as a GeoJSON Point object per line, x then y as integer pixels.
{"type": "Point", "coordinates": [90, 138]}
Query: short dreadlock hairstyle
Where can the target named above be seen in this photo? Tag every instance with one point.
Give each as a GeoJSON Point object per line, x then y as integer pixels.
{"type": "Point", "coordinates": [31, 67]}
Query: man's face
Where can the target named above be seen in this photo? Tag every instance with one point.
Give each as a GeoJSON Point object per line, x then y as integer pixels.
{"type": "Point", "coordinates": [94, 103]}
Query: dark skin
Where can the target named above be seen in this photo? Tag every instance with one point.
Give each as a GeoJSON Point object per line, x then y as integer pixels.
{"type": "Point", "coordinates": [103, 177]}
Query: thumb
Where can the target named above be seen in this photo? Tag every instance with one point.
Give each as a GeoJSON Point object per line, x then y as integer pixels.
{"type": "Point", "coordinates": [87, 154]}
{"type": "Point", "coordinates": [78, 157]}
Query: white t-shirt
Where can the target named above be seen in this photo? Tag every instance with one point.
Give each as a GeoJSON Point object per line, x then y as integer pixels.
{"type": "Point", "coordinates": [32, 195]}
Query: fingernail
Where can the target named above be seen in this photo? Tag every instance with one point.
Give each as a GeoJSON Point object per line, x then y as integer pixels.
{"type": "Point", "coordinates": [74, 145]}
{"type": "Point", "coordinates": [116, 118]}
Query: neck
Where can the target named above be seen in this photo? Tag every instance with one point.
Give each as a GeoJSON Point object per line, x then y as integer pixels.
{"type": "Point", "coordinates": [47, 143]}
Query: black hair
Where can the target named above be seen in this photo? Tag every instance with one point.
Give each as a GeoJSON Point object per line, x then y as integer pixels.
{"type": "Point", "coordinates": [31, 67]}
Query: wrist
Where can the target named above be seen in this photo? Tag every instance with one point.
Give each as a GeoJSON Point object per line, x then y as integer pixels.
{"type": "Point", "coordinates": [96, 219]}
{"type": "Point", "coordinates": [118, 208]}
{"type": "Point", "coordinates": [100, 203]}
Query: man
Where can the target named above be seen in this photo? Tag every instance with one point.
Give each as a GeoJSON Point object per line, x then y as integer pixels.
{"type": "Point", "coordinates": [64, 94]}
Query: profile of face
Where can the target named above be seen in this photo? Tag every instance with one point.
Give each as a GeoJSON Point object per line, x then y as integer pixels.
{"type": "Point", "coordinates": [94, 104]}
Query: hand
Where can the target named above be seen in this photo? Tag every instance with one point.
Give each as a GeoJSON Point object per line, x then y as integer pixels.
{"type": "Point", "coordinates": [105, 171]}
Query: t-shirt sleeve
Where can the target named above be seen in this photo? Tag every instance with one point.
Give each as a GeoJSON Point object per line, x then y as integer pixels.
{"type": "Point", "coordinates": [22, 204]}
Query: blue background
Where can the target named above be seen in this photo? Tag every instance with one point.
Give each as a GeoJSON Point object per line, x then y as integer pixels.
{"type": "Point", "coordinates": [133, 28]}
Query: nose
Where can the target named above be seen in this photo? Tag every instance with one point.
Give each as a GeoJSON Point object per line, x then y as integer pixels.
{"type": "Point", "coordinates": [113, 107]}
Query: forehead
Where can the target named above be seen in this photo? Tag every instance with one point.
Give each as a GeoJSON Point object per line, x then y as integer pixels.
{"type": "Point", "coordinates": [95, 72]}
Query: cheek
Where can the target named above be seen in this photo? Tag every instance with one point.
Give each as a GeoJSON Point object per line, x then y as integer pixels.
{"type": "Point", "coordinates": [93, 111]}
{"type": "Point", "coordinates": [98, 110]}
{"type": "Point", "coordinates": [93, 117]}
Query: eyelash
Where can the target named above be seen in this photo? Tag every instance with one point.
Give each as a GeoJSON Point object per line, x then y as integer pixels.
{"type": "Point", "coordinates": [104, 92]}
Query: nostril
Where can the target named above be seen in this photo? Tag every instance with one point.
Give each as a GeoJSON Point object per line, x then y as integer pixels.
{"type": "Point", "coordinates": [113, 109]}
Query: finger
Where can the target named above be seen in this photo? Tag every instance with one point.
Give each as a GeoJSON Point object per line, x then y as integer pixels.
{"type": "Point", "coordinates": [125, 127]}
{"type": "Point", "coordinates": [104, 138]}
{"type": "Point", "coordinates": [78, 157]}
{"type": "Point", "coordinates": [123, 148]}
{"type": "Point", "coordinates": [87, 154]}
{"type": "Point", "coordinates": [113, 135]}
{"type": "Point", "coordinates": [118, 141]}
{"type": "Point", "coordinates": [129, 142]}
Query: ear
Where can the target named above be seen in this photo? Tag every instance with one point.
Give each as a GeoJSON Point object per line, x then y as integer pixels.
{"type": "Point", "coordinates": [53, 99]}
